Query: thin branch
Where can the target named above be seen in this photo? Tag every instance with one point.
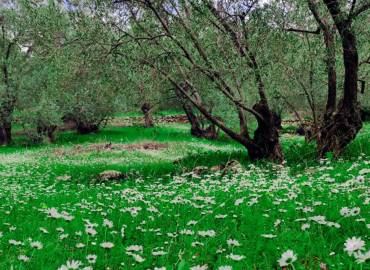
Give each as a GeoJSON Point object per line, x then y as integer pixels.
{"type": "Point", "coordinates": [359, 10]}
{"type": "Point", "coordinates": [317, 31]}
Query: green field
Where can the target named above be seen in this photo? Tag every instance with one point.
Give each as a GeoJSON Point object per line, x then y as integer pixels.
{"type": "Point", "coordinates": [55, 214]}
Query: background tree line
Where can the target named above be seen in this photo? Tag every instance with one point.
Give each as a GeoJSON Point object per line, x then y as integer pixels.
{"type": "Point", "coordinates": [234, 66]}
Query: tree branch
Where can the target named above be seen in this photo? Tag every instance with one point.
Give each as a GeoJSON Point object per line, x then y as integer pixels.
{"type": "Point", "coordinates": [317, 31]}
{"type": "Point", "coordinates": [359, 10]}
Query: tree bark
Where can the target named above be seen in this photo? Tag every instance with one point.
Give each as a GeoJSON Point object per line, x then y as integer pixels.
{"type": "Point", "coordinates": [342, 127]}
{"type": "Point", "coordinates": [48, 131]}
{"type": "Point", "coordinates": [265, 143]}
{"type": "Point", "coordinates": [329, 40]}
{"type": "Point", "coordinates": [5, 133]}
{"type": "Point", "coordinates": [196, 129]}
{"type": "Point", "coordinates": [146, 108]}
{"type": "Point", "coordinates": [7, 107]}
{"type": "Point", "coordinates": [86, 128]}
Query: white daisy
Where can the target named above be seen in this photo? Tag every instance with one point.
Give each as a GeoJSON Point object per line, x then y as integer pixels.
{"type": "Point", "coordinates": [199, 267]}
{"type": "Point", "coordinates": [71, 265]}
{"type": "Point", "coordinates": [235, 257]}
{"type": "Point", "coordinates": [91, 258]}
{"type": "Point", "coordinates": [225, 267]}
{"type": "Point", "coordinates": [287, 258]}
{"type": "Point", "coordinates": [233, 242]}
{"type": "Point", "coordinates": [353, 245]}
{"type": "Point", "coordinates": [362, 257]}
{"type": "Point", "coordinates": [36, 245]}
{"type": "Point", "coordinates": [107, 245]}
{"type": "Point", "coordinates": [23, 258]}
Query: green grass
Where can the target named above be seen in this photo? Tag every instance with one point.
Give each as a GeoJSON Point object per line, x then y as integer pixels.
{"type": "Point", "coordinates": [160, 197]}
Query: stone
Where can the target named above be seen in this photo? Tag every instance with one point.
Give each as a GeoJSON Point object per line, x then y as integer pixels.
{"type": "Point", "coordinates": [217, 168]}
{"type": "Point", "coordinates": [233, 166]}
{"type": "Point", "coordinates": [110, 175]}
{"type": "Point", "coordinates": [200, 169]}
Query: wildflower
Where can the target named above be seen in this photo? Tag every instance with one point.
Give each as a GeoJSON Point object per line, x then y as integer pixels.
{"type": "Point", "coordinates": [159, 253]}
{"type": "Point", "coordinates": [305, 226]}
{"type": "Point", "coordinates": [107, 223]}
{"type": "Point", "coordinates": [199, 267]}
{"type": "Point", "coordinates": [91, 231]}
{"type": "Point", "coordinates": [347, 212]}
{"type": "Point", "coordinates": [287, 258]}
{"type": "Point", "coordinates": [239, 201]}
{"type": "Point", "coordinates": [71, 265]}
{"type": "Point", "coordinates": [107, 245]}
{"type": "Point", "coordinates": [138, 258]}
{"type": "Point", "coordinates": [23, 258]}
{"type": "Point", "coordinates": [355, 211]}
{"type": "Point", "coordinates": [123, 231]}
{"type": "Point", "coordinates": [209, 233]}
{"type": "Point", "coordinates": [277, 222]}
{"type": "Point", "coordinates": [53, 213]}
{"type": "Point", "coordinates": [15, 242]}
{"type": "Point", "coordinates": [63, 236]}
{"type": "Point", "coordinates": [268, 235]}
{"type": "Point", "coordinates": [363, 257]}
{"type": "Point", "coordinates": [80, 245]}
{"type": "Point", "coordinates": [191, 222]}
{"type": "Point", "coordinates": [194, 244]}
{"type": "Point", "coordinates": [225, 267]}
{"type": "Point", "coordinates": [91, 258]}
{"type": "Point", "coordinates": [186, 232]}
{"type": "Point", "coordinates": [135, 248]}
{"type": "Point", "coordinates": [36, 245]}
{"type": "Point", "coordinates": [353, 245]}
{"type": "Point", "coordinates": [364, 171]}
{"type": "Point", "coordinates": [43, 230]}
{"type": "Point", "coordinates": [235, 257]}
{"type": "Point", "coordinates": [233, 242]}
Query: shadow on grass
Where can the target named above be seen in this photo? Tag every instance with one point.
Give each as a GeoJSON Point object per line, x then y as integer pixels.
{"type": "Point", "coordinates": [299, 154]}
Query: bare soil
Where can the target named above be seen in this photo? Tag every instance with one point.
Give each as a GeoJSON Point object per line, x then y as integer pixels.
{"type": "Point", "coordinates": [111, 147]}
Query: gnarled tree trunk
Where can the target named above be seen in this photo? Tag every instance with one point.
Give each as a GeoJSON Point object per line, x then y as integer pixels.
{"type": "Point", "coordinates": [265, 143]}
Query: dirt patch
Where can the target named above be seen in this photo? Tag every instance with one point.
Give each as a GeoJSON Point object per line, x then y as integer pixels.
{"type": "Point", "coordinates": [139, 121]}
{"type": "Point", "coordinates": [111, 147]}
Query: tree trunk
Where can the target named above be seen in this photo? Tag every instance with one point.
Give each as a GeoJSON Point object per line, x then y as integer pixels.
{"type": "Point", "coordinates": [86, 128]}
{"type": "Point", "coordinates": [265, 143]}
{"type": "Point", "coordinates": [48, 131]}
{"type": "Point", "coordinates": [148, 118]}
{"type": "Point", "coordinates": [332, 75]}
{"type": "Point", "coordinates": [196, 130]}
{"type": "Point", "coordinates": [342, 127]}
{"type": "Point", "coordinates": [5, 133]}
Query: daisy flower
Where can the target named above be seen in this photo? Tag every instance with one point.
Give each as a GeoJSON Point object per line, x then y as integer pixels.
{"type": "Point", "coordinates": [353, 245]}
{"type": "Point", "coordinates": [287, 258]}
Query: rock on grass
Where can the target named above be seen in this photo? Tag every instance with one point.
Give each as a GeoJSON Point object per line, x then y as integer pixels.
{"type": "Point", "coordinates": [110, 175]}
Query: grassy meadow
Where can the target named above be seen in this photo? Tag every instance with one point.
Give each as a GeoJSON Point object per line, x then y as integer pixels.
{"type": "Point", "coordinates": [305, 214]}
